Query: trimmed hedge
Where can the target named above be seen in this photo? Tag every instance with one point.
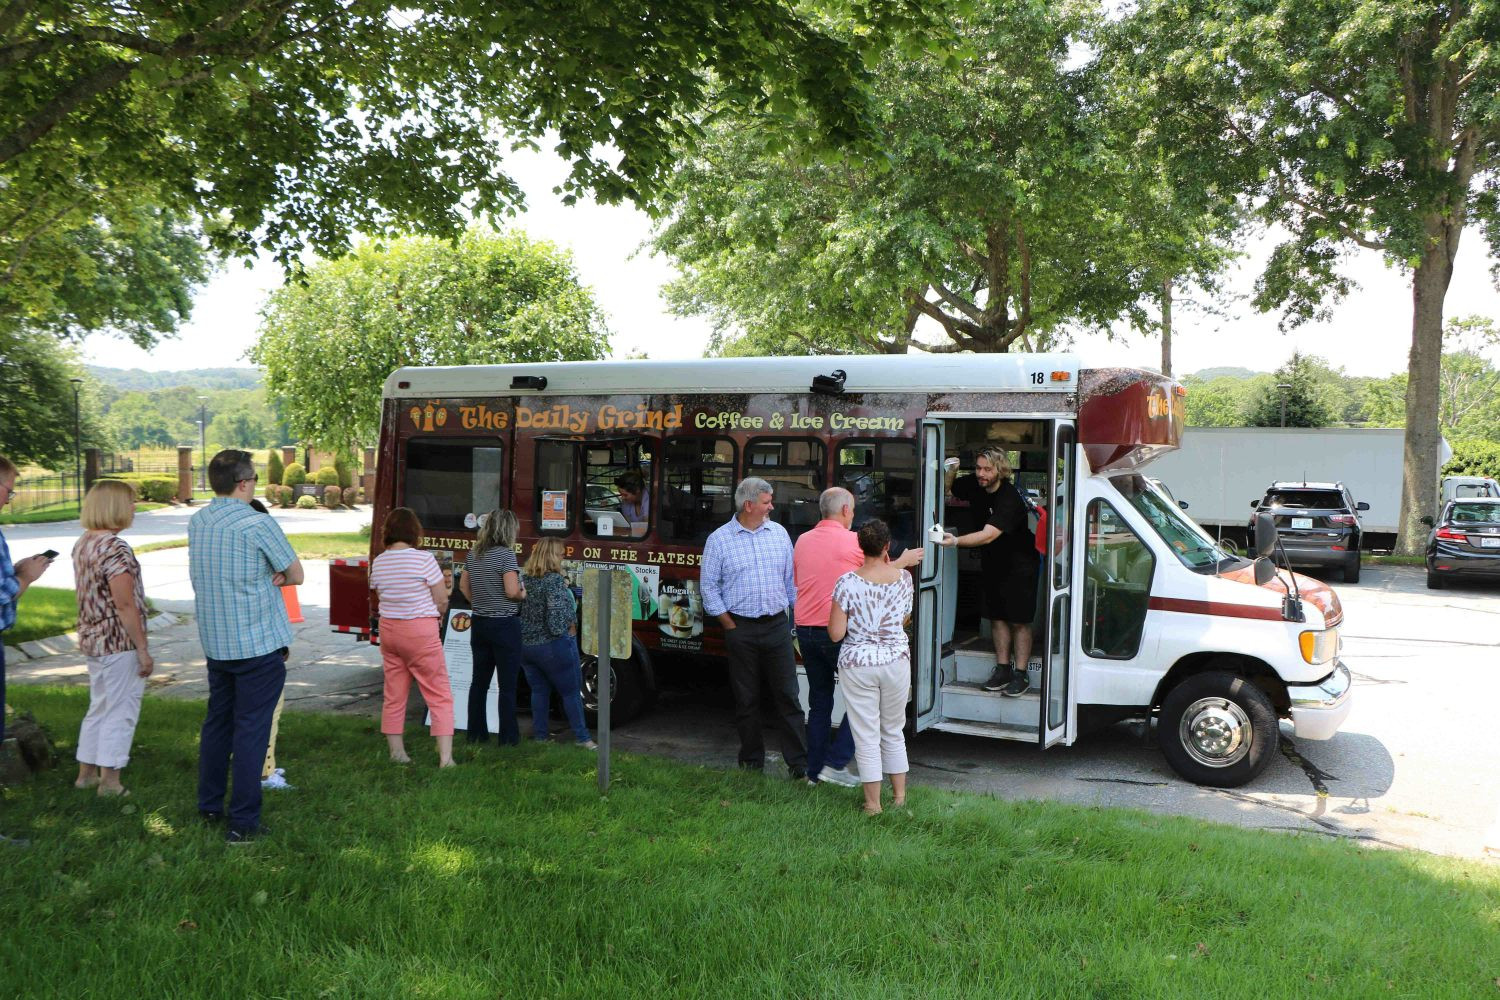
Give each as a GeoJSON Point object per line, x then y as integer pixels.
{"type": "Point", "coordinates": [306, 503]}
{"type": "Point", "coordinates": [148, 487]}
{"type": "Point", "coordinates": [294, 475]}
{"type": "Point", "coordinates": [326, 476]}
{"type": "Point", "coordinates": [332, 495]}
{"type": "Point", "coordinates": [351, 496]}
{"type": "Point", "coordinates": [341, 466]}
{"type": "Point", "coordinates": [274, 469]}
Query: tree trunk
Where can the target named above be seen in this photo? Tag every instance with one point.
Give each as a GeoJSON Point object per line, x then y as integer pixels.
{"type": "Point", "coordinates": [1420, 467]}
{"type": "Point", "coordinates": [1166, 327]}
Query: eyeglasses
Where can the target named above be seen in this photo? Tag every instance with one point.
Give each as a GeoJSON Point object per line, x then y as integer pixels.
{"type": "Point", "coordinates": [252, 479]}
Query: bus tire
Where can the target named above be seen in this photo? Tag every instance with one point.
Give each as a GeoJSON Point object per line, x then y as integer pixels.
{"type": "Point", "coordinates": [627, 690]}
{"type": "Point", "coordinates": [1218, 729]}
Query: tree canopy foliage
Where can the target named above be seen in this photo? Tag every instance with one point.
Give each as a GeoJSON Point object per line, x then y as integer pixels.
{"type": "Point", "coordinates": [1008, 204]}
{"type": "Point", "coordinates": [300, 123]}
{"type": "Point", "coordinates": [1297, 396]}
{"type": "Point", "coordinates": [36, 404]}
{"type": "Point", "coordinates": [1371, 123]}
{"type": "Point", "coordinates": [327, 343]}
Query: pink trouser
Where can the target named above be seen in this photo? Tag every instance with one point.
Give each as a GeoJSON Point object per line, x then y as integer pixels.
{"type": "Point", "coordinates": [410, 650]}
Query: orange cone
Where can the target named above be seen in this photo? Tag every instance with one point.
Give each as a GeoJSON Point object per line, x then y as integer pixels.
{"type": "Point", "coordinates": [293, 606]}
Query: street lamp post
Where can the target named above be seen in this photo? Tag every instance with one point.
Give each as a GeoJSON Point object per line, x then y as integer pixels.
{"type": "Point", "coordinates": [77, 450]}
{"type": "Point", "coordinates": [203, 443]}
{"type": "Point", "coordinates": [1283, 386]}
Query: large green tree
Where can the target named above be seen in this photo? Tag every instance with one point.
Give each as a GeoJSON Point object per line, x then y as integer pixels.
{"type": "Point", "coordinates": [1346, 123]}
{"type": "Point", "coordinates": [37, 402]}
{"type": "Point", "coordinates": [1006, 206]}
{"type": "Point", "coordinates": [1303, 393]}
{"type": "Point", "coordinates": [299, 123]}
{"type": "Point", "coordinates": [328, 342]}
{"type": "Point", "coordinates": [136, 422]}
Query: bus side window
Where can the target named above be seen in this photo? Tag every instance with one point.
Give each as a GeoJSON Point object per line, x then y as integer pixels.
{"type": "Point", "coordinates": [447, 480]}
{"type": "Point", "coordinates": [618, 488]}
{"type": "Point", "coordinates": [555, 498]}
{"type": "Point", "coordinates": [1118, 567]}
{"type": "Point", "coordinates": [882, 476]}
{"type": "Point", "coordinates": [796, 468]}
{"type": "Point", "coordinates": [697, 493]}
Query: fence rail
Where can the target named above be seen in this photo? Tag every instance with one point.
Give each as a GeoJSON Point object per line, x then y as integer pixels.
{"type": "Point", "coordinates": [44, 492]}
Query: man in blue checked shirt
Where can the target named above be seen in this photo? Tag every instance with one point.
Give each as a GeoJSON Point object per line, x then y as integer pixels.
{"type": "Point", "coordinates": [238, 560]}
{"type": "Point", "coordinates": [747, 584]}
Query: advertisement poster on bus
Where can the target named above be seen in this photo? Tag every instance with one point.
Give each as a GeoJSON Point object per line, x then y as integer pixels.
{"type": "Point", "coordinates": [554, 510]}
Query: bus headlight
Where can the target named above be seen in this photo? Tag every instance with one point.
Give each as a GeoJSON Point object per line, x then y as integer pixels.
{"type": "Point", "coordinates": [1319, 647]}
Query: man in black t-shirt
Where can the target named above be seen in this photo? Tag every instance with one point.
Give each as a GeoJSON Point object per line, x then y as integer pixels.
{"type": "Point", "coordinates": [1007, 561]}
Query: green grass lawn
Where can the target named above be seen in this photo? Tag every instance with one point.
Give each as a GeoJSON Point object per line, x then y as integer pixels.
{"type": "Point", "coordinates": [509, 877]}
{"type": "Point", "coordinates": [307, 544]}
{"type": "Point", "coordinates": [68, 512]}
{"type": "Point", "coordinates": [42, 613]}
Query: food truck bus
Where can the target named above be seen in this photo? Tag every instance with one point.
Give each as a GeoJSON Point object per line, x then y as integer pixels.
{"type": "Point", "coordinates": [1142, 615]}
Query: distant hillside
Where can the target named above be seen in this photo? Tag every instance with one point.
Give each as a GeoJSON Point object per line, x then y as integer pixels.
{"type": "Point", "coordinates": [136, 380]}
{"type": "Point", "coordinates": [1213, 373]}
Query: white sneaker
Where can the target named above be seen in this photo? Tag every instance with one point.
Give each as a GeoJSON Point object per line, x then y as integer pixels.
{"type": "Point", "coordinates": [277, 780]}
{"type": "Point", "coordinates": [838, 776]}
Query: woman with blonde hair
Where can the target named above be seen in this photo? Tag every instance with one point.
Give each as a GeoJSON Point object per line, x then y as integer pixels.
{"type": "Point", "coordinates": [409, 585]}
{"type": "Point", "coordinates": [111, 635]}
{"type": "Point", "coordinates": [492, 584]}
{"type": "Point", "coordinates": [549, 652]}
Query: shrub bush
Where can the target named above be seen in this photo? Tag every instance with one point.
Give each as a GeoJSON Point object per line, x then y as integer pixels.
{"type": "Point", "coordinates": [332, 495]}
{"type": "Point", "coordinates": [274, 468]}
{"type": "Point", "coordinates": [1474, 458]}
{"type": "Point", "coordinates": [341, 466]}
{"type": "Point", "coordinates": [364, 529]}
{"type": "Point", "coordinates": [287, 496]}
{"type": "Point", "coordinates": [351, 496]}
{"type": "Point", "coordinates": [151, 488]}
{"type": "Point", "coordinates": [294, 475]}
{"type": "Point", "coordinates": [326, 476]}
{"type": "Point", "coordinates": [306, 503]}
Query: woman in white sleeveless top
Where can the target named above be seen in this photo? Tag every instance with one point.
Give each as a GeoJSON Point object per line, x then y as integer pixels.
{"type": "Point", "coordinates": [870, 608]}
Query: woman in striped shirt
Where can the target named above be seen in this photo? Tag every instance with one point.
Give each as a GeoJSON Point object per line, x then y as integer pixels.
{"type": "Point", "coordinates": [409, 586]}
{"type": "Point", "coordinates": [492, 584]}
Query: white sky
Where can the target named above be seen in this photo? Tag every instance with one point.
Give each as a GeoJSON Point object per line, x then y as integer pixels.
{"type": "Point", "coordinates": [1369, 334]}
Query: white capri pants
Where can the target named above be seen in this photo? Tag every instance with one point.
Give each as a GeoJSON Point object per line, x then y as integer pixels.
{"type": "Point", "coordinates": [875, 698]}
{"type": "Point", "coordinates": [115, 689]}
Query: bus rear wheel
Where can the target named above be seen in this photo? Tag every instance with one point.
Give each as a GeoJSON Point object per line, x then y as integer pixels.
{"type": "Point", "coordinates": [1218, 730]}
{"type": "Point", "coordinates": [627, 690]}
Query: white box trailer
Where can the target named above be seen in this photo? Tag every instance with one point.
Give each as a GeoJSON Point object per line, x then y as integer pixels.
{"type": "Point", "coordinates": [1218, 471]}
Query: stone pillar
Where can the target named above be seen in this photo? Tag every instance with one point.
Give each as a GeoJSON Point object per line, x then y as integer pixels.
{"type": "Point", "coordinates": [90, 466]}
{"type": "Point", "coordinates": [288, 456]}
{"type": "Point", "coordinates": [367, 481]}
{"type": "Point", "coordinates": [185, 473]}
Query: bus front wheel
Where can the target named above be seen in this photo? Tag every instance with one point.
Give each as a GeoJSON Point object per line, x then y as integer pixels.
{"type": "Point", "coordinates": [1217, 729]}
{"type": "Point", "coordinates": [627, 690]}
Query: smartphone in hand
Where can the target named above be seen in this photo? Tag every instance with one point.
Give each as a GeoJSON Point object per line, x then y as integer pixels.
{"type": "Point", "coordinates": [50, 554]}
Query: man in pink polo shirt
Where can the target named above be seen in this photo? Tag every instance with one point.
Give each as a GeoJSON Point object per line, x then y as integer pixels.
{"type": "Point", "coordinates": [820, 557]}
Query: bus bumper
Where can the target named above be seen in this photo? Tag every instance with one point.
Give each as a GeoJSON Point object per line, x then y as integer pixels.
{"type": "Point", "coordinates": [1318, 710]}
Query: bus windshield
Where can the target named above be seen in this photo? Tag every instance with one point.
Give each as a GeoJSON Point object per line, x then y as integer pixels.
{"type": "Point", "coordinates": [1193, 546]}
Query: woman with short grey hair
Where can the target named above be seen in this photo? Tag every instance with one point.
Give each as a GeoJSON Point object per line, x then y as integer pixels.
{"type": "Point", "coordinates": [492, 584]}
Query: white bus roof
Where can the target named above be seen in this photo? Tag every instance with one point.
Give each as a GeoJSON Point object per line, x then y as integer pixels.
{"type": "Point", "coordinates": [874, 373]}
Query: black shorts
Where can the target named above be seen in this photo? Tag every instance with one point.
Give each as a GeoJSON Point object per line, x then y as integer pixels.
{"type": "Point", "coordinates": [1010, 590]}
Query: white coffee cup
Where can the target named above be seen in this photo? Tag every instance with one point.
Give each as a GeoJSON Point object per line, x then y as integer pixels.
{"type": "Point", "coordinates": [935, 534]}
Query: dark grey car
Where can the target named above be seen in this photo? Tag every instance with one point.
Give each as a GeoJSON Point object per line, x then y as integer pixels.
{"type": "Point", "coordinates": [1318, 523]}
{"type": "Point", "coordinates": [1465, 541]}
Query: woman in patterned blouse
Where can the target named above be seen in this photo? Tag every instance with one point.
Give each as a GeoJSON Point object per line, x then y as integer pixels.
{"type": "Point", "coordinates": [111, 634]}
{"type": "Point", "coordinates": [549, 653]}
{"type": "Point", "coordinates": [870, 608]}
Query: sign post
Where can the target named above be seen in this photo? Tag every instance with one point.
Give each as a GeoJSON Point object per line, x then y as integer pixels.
{"type": "Point", "coordinates": [606, 635]}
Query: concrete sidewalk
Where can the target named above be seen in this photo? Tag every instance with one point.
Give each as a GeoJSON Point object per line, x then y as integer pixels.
{"type": "Point", "coordinates": [326, 672]}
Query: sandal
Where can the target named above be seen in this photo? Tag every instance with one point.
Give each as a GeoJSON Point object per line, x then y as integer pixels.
{"type": "Point", "coordinates": [105, 792]}
{"type": "Point", "coordinates": [86, 783]}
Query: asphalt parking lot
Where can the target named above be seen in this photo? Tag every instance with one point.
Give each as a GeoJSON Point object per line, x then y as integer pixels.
{"type": "Point", "coordinates": [1415, 765]}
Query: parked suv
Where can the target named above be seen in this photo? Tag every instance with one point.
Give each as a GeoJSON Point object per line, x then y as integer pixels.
{"type": "Point", "coordinates": [1318, 523]}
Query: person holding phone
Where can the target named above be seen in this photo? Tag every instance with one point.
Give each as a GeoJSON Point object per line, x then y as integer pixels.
{"type": "Point", "coordinates": [14, 579]}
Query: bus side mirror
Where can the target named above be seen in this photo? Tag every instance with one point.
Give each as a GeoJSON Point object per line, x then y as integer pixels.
{"type": "Point", "coordinates": [1265, 535]}
{"type": "Point", "coordinates": [1361, 506]}
{"type": "Point", "coordinates": [1183, 504]}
